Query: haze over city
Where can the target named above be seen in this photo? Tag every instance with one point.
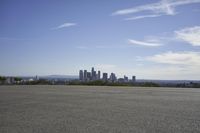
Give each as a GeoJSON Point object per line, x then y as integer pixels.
{"type": "Point", "coordinates": [157, 39]}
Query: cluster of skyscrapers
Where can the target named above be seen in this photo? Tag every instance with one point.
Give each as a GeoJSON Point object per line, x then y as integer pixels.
{"type": "Point", "coordinates": [93, 75]}
{"type": "Point", "coordinates": [84, 75]}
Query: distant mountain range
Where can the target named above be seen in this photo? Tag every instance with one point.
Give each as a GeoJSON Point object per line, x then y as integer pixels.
{"type": "Point", "coordinates": [51, 77]}
{"type": "Point", "coordinates": [60, 76]}
{"type": "Point", "coordinates": [168, 81]}
{"type": "Point", "coordinates": [71, 77]}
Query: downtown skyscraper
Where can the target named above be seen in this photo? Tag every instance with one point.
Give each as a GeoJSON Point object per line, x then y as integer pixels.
{"type": "Point", "coordinates": [93, 75]}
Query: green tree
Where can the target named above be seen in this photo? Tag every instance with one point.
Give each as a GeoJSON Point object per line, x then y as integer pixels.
{"type": "Point", "coordinates": [17, 79]}
{"type": "Point", "coordinates": [2, 78]}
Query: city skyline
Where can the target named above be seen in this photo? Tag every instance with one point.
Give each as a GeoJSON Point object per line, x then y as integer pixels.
{"type": "Point", "coordinates": [87, 76]}
{"type": "Point", "coordinates": [158, 39]}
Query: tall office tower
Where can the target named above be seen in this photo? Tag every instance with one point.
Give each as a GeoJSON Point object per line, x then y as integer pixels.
{"type": "Point", "coordinates": [125, 78]}
{"type": "Point", "coordinates": [92, 73]}
{"type": "Point", "coordinates": [105, 76]}
{"type": "Point", "coordinates": [94, 76]}
{"type": "Point", "coordinates": [89, 77]}
{"type": "Point", "coordinates": [81, 75]}
{"type": "Point", "coordinates": [133, 78]}
{"type": "Point", "coordinates": [99, 75]}
{"type": "Point", "coordinates": [113, 78]}
{"type": "Point", "coordinates": [36, 77]}
{"type": "Point", "coordinates": [85, 75]}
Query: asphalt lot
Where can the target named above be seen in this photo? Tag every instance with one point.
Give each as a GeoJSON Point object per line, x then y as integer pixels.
{"type": "Point", "coordinates": [90, 109]}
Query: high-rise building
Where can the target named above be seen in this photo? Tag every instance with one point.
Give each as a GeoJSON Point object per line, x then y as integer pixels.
{"type": "Point", "coordinates": [99, 75]}
{"type": "Point", "coordinates": [81, 76]}
{"type": "Point", "coordinates": [113, 78]}
{"type": "Point", "coordinates": [85, 75]}
{"type": "Point", "coordinates": [105, 76]}
{"type": "Point", "coordinates": [94, 76]}
{"type": "Point", "coordinates": [133, 78]}
{"type": "Point", "coordinates": [92, 73]}
{"type": "Point", "coordinates": [125, 78]}
{"type": "Point", "coordinates": [89, 77]}
{"type": "Point", "coordinates": [37, 78]}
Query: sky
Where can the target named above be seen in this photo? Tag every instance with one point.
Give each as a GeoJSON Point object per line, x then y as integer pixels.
{"type": "Point", "coordinates": [152, 39]}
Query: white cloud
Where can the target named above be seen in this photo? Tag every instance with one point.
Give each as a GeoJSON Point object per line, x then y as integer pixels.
{"type": "Point", "coordinates": [149, 43]}
{"type": "Point", "coordinates": [163, 7]}
{"type": "Point", "coordinates": [190, 35]}
{"type": "Point", "coordinates": [159, 7]}
{"type": "Point", "coordinates": [163, 38]}
{"type": "Point", "coordinates": [143, 16]}
{"type": "Point", "coordinates": [186, 58]}
{"type": "Point", "coordinates": [170, 65]}
{"type": "Point", "coordinates": [167, 72]}
{"type": "Point", "coordinates": [65, 25]}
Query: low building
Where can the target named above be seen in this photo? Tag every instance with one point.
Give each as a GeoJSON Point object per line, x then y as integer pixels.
{"type": "Point", "coordinates": [121, 80]}
{"type": "Point", "coordinates": [10, 80]}
{"type": "Point", "coordinates": [125, 78]}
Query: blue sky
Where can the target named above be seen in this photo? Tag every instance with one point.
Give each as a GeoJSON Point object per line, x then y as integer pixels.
{"type": "Point", "coordinates": [157, 39]}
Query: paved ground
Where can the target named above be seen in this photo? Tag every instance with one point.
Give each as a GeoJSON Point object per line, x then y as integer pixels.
{"type": "Point", "coordinates": [78, 109]}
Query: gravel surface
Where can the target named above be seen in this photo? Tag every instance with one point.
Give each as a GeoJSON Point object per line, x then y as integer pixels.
{"type": "Point", "coordinates": [93, 109]}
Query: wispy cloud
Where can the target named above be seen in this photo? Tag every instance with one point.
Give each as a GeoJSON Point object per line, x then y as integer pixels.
{"type": "Point", "coordinates": [163, 7]}
{"type": "Point", "coordinates": [144, 43]}
{"type": "Point", "coordinates": [65, 25]}
{"type": "Point", "coordinates": [143, 16]}
{"type": "Point", "coordinates": [190, 35]}
{"type": "Point", "coordinates": [187, 58]}
{"type": "Point", "coordinates": [174, 65]}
